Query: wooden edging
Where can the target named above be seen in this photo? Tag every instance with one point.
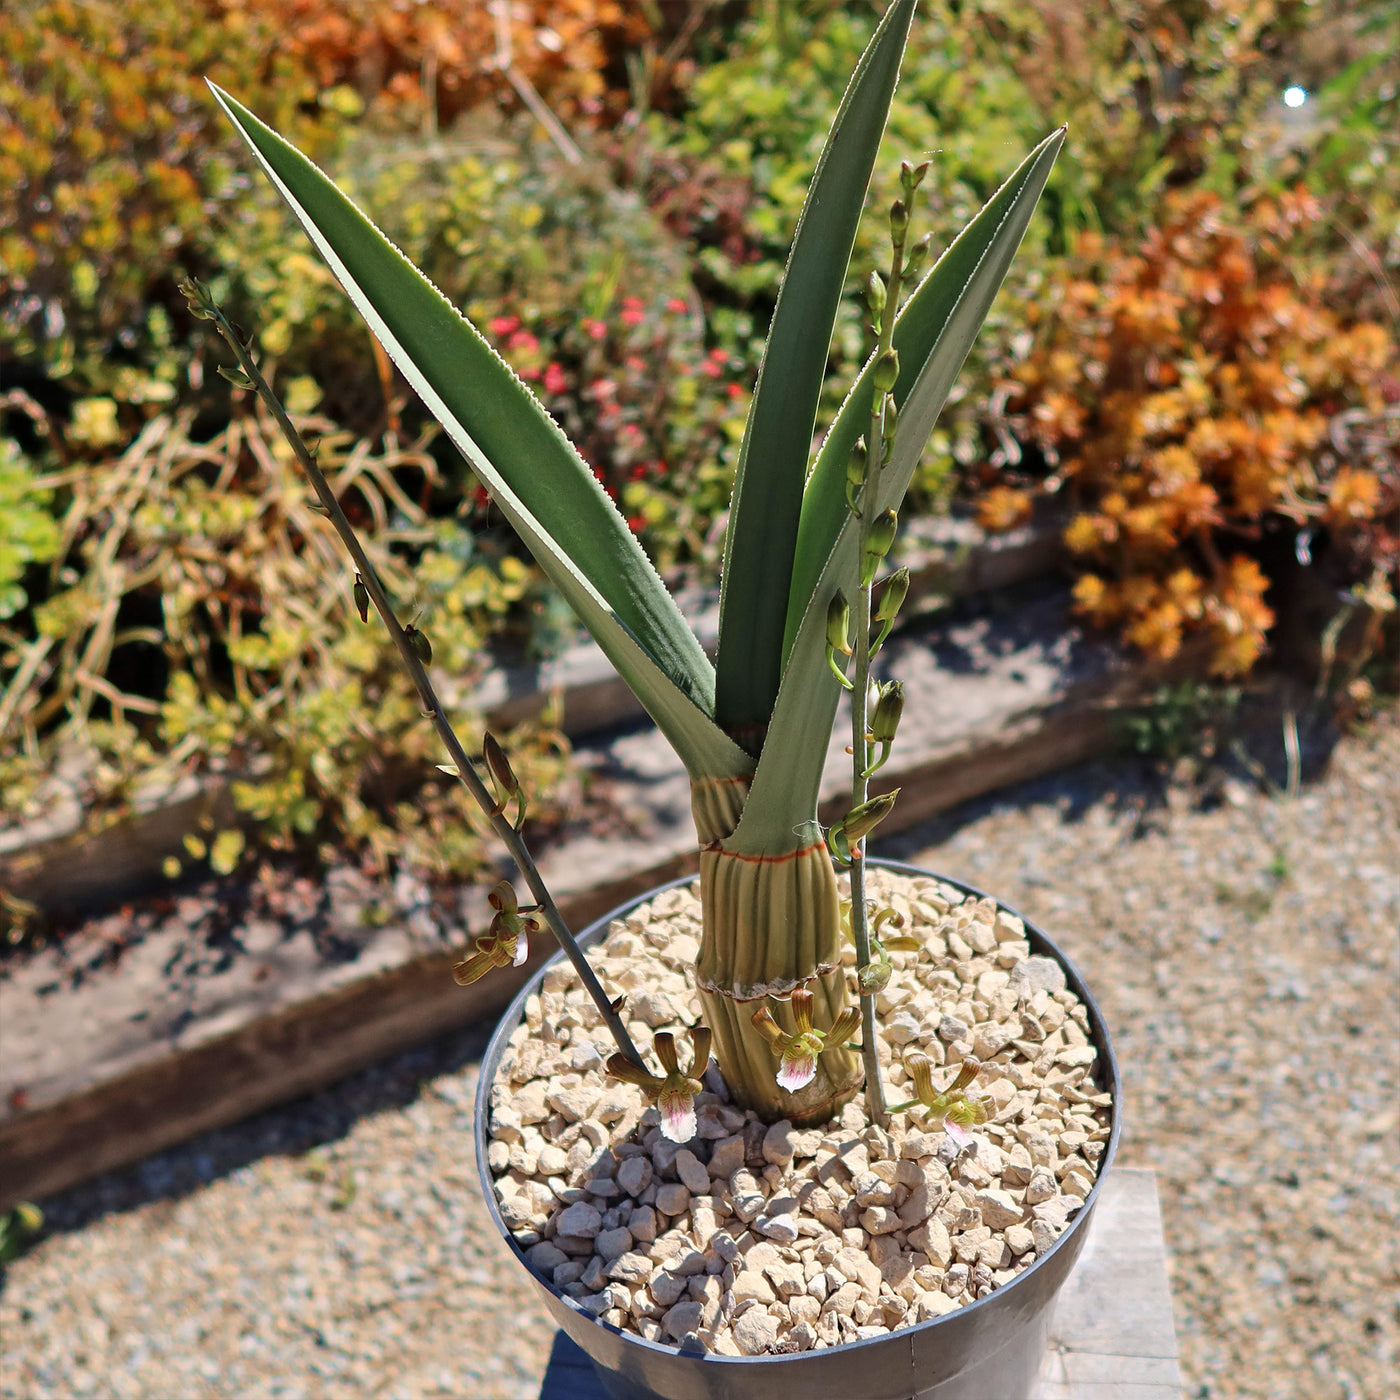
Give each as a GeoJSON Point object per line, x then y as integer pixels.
{"type": "Point", "coordinates": [56, 864]}
{"type": "Point", "coordinates": [94, 1117]}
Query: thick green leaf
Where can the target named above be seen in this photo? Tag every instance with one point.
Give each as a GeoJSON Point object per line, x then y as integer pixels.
{"type": "Point", "coordinates": [767, 501]}
{"type": "Point", "coordinates": [543, 487]}
{"type": "Point", "coordinates": [933, 334]}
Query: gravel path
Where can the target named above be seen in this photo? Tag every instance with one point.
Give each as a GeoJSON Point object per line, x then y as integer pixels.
{"type": "Point", "coordinates": [1245, 953]}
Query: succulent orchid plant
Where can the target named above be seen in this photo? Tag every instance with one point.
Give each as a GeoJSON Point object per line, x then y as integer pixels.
{"type": "Point", "coordinates": [799, 601]}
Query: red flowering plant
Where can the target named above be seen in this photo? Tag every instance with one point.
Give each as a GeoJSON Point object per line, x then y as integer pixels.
{"type": "Point", "coordinates": [655, 415]}
{"type": "Point", "coordinates": [1194, 397]}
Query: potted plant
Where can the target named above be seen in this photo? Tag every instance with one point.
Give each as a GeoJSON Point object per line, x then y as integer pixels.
{"type": "Point", "coordinates": [705, 1193]}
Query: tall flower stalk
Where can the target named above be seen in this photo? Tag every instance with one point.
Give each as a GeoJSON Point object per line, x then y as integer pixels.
{"type": "Point", "coordinates": [751, 727]}
{"type": "Point", "coordinates": [876, 535]}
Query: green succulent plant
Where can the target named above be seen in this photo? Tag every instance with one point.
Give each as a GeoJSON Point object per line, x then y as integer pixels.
{"type": "Point", "coordinates": [751, 727]}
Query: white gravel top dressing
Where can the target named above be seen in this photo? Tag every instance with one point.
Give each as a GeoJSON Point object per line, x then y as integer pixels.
{"type": "Point", "coordinates": [757, 1238]}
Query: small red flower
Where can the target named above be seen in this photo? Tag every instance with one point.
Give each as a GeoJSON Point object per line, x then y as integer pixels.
{"type": "Point", "coordinates": [523, 341]}
{"type": "Point", "coordinates": [676, 305]}
{"type": "Point", "coordinates": [502, 326]}
{"type": "Point", "coordinates": [555, 380]}
{"type": "Point", "coordinates": [595, 330]}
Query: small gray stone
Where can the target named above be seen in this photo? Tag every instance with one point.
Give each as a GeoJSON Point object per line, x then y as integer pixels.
{"type": "Point", "coordinates": [752, 1286]}
{"type": "Point", "coordinates": [999, 1209]}
{"type": "Point", "coordinates": [872, 1190]}
{"type": "Point", "coordinates": [749, 1206]}
{"type": "Point", "coordinates": [693, 1172]}
{"type": "Point", "coordinates": [777, 1143]}
{"type": "Point", "coordinates": [529, 1102]}
{"type": "Point", "coordinates": [580, 1219]}
{"type": "Point", "coordinates": [782, 1228]}
{"type": "Point", "coordinates": [727, 1157]}
{"type": "Point", "coordinates": [755, 1332]}
{"type": "Point", "coordinates": [634, 1175]}
{"type": "Point", "coordinates": [545, 1257]}
{"type": "Point", "coordinates": [902, 1028]}
{"type": "Point", "coordinates": [1031, 975]}
{"type": "Point", "coordinates": [631, 1267]}
{"type": "Point", "coordinates": [642, 1224]}
{"type": "Point", "coordinates": [577, 1101]}
{"type": "Point", "coordinates": [667, 1288]}
{"type": "Point", "coordinates": [673, 1198]}
{"type": "Point", "coordinates": [613, 1244]}
{"type": "Point", "coordinates": [686, 1317]}
{"type": "Point", "coordinates": [951, 1029]}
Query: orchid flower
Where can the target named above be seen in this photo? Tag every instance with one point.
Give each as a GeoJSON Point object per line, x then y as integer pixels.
{"type": "Point", "coordinates": [957, 1109]}
{"type": "Point", "coordinates": [797, 1053]}
{"type": "Point", "coordinates": [674, 1095]}
{"type": "Point", "coordinates": [505, 944]}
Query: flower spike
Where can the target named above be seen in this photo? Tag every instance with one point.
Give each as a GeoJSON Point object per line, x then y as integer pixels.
{"type": "Point", "coordinates": [674, 1093]}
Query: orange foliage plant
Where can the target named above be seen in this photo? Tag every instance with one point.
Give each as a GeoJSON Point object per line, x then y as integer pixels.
{"type": "Point", "coordinates": [1193, 397]}
{"type": "Point", "coordinates": [454, 52]}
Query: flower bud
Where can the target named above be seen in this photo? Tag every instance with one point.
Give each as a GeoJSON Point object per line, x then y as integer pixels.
{"type": "Point", "coordinates": [887, 713]}
{"type": "Point", "coordinates": [886, 371]}
{"type": "Point", "coordinates": [916, 257]}
{"type": "Point", "coordinates": [865, 818]}
{"type": "Point", "coordinates": [499, 765]}
{"type": "Point", "coordinates": [838, 624]}
{"type": "Point", "coordinates": [890, 419]}
{"type": "Point", "coordinates": [880, 536]}
{"type": "Point", "coordinates": [874, 976]}
{"type": "Point", "coordinates": [899, 220]}
{"type": "Point", "coordinates": [236, 377]}
{"type": "Point", "coordinates": [911, 176]}
{"type": "Point", "coordinates": [856, 464]}
{"type": "Point", "coordinates": [361, 598]}
{"type": "Point", "coordinates": [892, 596]}
{"type": "Point", "coordinates": [197, 295]}
{"type": "Point", "coordinates": [422, 647]}
{"type": "Point", "coordinates": [875, 296]}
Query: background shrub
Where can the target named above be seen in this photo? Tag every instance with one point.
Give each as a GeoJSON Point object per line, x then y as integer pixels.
{"type": "Point", "coordinates": [197, 620]}
{"type": "Point", "coordinates": [1196, 342]}
{"type": "Point", "coordinates": [113, 169]}
{"type": "Point", "coordinates": [1200, 394]}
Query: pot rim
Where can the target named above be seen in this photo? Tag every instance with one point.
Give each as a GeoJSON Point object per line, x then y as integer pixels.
{"type": "Point", "coordinates": [513, 1014]}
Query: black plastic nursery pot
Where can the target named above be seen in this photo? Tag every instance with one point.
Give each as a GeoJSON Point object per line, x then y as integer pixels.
{"type": "Point", "coordinates": [989, 1350]}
